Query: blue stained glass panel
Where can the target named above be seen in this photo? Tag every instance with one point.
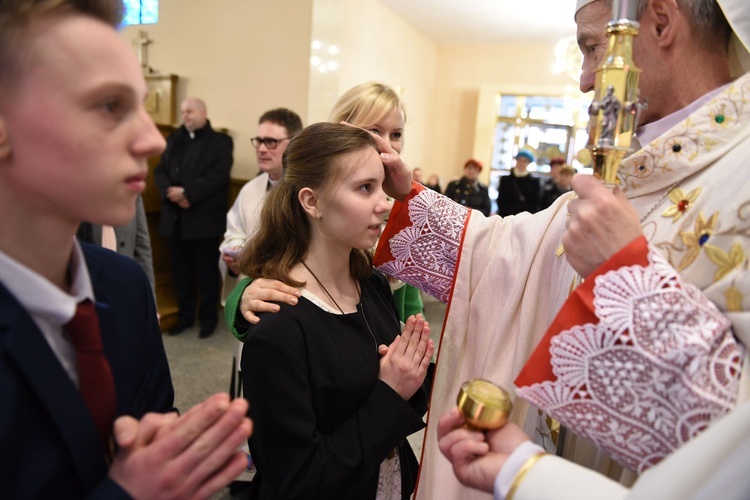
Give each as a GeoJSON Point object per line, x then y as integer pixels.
{"type": "Point", "coordinates": [141, 12]}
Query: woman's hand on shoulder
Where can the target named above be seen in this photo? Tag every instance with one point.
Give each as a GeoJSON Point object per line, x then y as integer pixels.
{"type": "Point", "coordinates": [257, 298]}
{"type": "Point", "coordinates": [404, 363]}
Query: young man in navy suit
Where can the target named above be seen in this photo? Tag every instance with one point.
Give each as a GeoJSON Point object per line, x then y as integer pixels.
{"type": "Point", "coordinates": [74, 140]}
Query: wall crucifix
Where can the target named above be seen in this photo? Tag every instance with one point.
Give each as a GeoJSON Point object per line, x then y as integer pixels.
{"type": "Point", "coordinates": [143, 41]}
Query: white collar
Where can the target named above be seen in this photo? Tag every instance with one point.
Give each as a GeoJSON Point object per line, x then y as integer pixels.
{"type": "Point", "coordinates": [39, 296]}
{"type": "Point", "coordinates": [651, 131]}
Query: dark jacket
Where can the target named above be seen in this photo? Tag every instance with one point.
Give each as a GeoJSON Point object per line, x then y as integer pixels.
{"type": "Point", "coordinates": [518, 194]}
{"type": "Point", "coordinates": [201, 166]}
{"type": "Point", "coordinates": [469, 194]}
{"type": "Point", "coordinates": [50, 445]}
{"type": "Point", "coordinates": [324, 421]}
{"type": "Point", "coordinates": [550, 192]}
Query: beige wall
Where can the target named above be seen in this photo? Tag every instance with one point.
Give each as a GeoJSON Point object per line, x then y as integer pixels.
{"type": "Point", "coordinates": [464, 72]}
{"type": "Point", "coordinates": [376, 45]}
{"type": "Point", "coordinates": [242, 57]}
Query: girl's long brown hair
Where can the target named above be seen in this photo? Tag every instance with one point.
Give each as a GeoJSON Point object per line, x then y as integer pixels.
{"type": "Point", "coordinates": [313, 160]}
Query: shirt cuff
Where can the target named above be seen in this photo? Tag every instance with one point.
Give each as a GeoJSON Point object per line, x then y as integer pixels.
{"type": "Point", "coordinates": [507, 475]}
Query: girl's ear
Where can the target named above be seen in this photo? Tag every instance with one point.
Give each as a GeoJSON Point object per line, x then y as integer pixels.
{"type": "Point", "coordinates": [309, 202]}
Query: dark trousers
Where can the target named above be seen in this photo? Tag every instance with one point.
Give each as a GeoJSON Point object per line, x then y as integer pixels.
{"type": "Point", "coordinates": [197, 261]}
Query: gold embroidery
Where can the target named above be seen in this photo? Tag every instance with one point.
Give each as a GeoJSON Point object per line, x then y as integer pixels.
{"type": "Point", "coordinates": [695, 240]}
{"type": "Point", "coordinates": [574, 283]}
{"type": "Point", "coordinates": [709, 143]}
{"type": "Point", "coordinates": [681, 202]}
{"type": "Point", "coordinates": [721, 121]}
{"type": "Point", "coordinates": [726, 261]}
{"type": "Point", "coordinates": [554, 429]}
{"type": "Point", "coordinates": [719, 117]}
{"type": "Point", "coordinates": [734, 299]}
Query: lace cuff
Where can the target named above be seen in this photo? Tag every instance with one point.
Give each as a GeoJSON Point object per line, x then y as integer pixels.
{"type": "Point", "coordinates": [643, 364]}
{"type": "Point", "coordinates": [422, 240]}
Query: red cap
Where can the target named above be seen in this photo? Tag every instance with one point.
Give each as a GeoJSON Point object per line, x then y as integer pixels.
{"type": "Point", "coordinates": [475, 162]}
{"type": "Point", "coordinates": [557, 160]}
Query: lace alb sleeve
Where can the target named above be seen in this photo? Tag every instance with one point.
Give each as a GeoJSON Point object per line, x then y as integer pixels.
{"type": "Point", "coordinates": [422, 240]}
{"type": "Point", "coordinates": [658, 368]}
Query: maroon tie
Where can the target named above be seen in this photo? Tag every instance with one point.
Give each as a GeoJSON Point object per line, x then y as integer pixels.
{"type": "Point", "coordinates": [94, 373]}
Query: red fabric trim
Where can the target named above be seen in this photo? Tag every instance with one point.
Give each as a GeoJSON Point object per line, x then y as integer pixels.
{"type": "Point", "coordinates": [398, 219]}
{"type": "Point", "coordinates": [578, 310]}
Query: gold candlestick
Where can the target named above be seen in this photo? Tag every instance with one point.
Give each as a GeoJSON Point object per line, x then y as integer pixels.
{"type": "Point", "coordinates": [484, 405]}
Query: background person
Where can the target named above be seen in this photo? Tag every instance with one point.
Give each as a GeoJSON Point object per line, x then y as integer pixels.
{"type": "Point", "coordinates": [433, 182]}
{"type": "Point", "coordinates": [193, 180]}
{"type": "Point", "coordinates": [468, 191]}
{"type": "Point", "coordinates": [550, 186]}
{"type": "Point", "coordinates": [417, 175]}
{"type": "Point", "coordinates": [131, 240]}
{"type": "Point", "coordinates": [565, 178]}
{"type": "Point", "coordinates": [275, 128]}
{"type": "Point", "coordinates": [519, 191]}
{"type": "Point", "coordinates": [378, 108]}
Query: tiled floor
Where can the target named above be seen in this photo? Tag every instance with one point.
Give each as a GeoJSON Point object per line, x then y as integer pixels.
{"type": "Point", "coordinates": [202, 367]}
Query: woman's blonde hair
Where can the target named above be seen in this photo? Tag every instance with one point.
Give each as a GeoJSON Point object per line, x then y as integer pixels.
{"type": "Point", "coordinates": [366, 104]}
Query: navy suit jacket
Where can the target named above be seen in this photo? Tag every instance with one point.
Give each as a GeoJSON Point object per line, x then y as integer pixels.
{"type": "Point", "coordinates": [49, 446]}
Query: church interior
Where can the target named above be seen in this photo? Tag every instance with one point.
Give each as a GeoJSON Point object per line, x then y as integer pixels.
{"type": "Point", "coordinates": [454, 65]}
{"type": "Point", "coordinates": [608, 312]}
{"type": "Point", "coordinates": [245, 57]}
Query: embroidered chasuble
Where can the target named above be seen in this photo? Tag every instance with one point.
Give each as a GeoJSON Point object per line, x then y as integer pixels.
{"type": "Point", "coordinates": [505, 284]}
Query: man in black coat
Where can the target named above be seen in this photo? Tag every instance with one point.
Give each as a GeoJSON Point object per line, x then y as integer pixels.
{"type": "Point", "coordinates": [193, 180]}
{"type": "Point", "coordinates": [519, 191]}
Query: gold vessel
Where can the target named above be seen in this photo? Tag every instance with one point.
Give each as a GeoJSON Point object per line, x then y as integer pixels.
{"type": "Point", "coordinates": [484, 405]}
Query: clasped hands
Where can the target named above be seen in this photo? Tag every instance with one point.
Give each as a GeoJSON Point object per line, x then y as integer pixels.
{"type": "Point", "coordinates": [176, 194]}
{"type": "Point", "coordinates": [190, 456]}
{"type": "Point", "coordinates": [403, 364]}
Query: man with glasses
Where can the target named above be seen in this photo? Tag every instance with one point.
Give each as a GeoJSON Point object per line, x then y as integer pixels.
{"type": "Point", "coordinates": [275, 128]}
{"type": "Point", "coordinates": [193, 180]}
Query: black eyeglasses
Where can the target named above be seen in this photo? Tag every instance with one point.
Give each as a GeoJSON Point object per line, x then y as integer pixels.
{"type": "Point", "coordinates": [268, 141]}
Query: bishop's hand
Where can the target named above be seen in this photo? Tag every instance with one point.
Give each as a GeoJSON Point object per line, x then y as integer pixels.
{"type": "Point", "coordinates": [600, 223]}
